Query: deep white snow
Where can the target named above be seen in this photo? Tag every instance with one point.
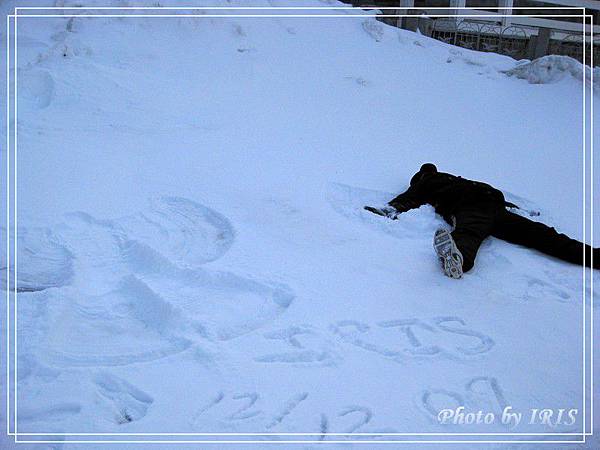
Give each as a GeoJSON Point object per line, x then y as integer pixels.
{"type": "Point", "coordinates": [193, 255]}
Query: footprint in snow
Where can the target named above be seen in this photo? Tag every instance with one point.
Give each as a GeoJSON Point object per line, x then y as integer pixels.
{"type": "Point", "coordinates": [538, 289]}
{"type": "Point", "coordinates": [122, 402]}
{"type": "Point", "coordinates": [36, 89]}
{"type": "Point", "coordinates": [374, 29]}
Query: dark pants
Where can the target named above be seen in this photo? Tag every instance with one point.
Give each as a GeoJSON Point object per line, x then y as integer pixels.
{"type": "Point", "coordinates": [479, 220]}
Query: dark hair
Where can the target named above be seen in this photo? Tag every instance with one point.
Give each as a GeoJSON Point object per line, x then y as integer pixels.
{"type": "Point", "coordinates": [428, 167]}
{"type": "Point", "coordinates": [425, 168]}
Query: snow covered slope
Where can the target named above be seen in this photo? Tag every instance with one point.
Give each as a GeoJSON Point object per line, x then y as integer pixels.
{"type": "Point", "coordinates": [193, 253]}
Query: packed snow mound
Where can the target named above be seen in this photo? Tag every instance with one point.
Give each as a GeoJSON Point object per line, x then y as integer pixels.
{"type": "Point", "coordinates": [551, 69]}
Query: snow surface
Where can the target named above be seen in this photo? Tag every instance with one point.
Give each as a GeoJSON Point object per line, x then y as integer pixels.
{"type": "Point", "coordinates": [553, 68]}
{"type": "Point", "coordinates": [193, 253]}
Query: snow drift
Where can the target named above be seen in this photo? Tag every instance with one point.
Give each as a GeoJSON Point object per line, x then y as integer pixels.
{"type": "Point", "coordinates": [552, 69]}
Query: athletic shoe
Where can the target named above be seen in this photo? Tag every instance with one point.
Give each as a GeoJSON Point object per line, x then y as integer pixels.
{"type": "Point", "coordinates": [449, 254]}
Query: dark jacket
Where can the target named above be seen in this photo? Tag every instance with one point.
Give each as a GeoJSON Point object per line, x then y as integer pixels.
{"type": "Point", "coordinates": [446, 193]}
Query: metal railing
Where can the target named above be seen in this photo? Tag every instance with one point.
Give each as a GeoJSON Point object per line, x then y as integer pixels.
{"type": "Point", "coordinates": [484, 37]}
{"type": "Point", "coordinates": [515, 41]}
{"type": "Point", "coordinates": [572, 46]}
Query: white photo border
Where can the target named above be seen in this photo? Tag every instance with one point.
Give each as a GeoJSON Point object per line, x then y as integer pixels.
{"type": "Point", "coordinates": [16, 434]}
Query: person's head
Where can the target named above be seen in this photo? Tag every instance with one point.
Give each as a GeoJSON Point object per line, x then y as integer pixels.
{"type": "Point", "coordinates": [425, 168]}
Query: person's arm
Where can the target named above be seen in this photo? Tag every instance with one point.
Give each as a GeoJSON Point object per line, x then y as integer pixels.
{"type": "Point", "coordinates": [412, 198]}
{"type": "Point", "coordinates": [408, 200]}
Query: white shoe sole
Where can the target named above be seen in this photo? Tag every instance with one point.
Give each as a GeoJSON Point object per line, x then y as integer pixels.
{"type": "Point", "coordinates": [449, 254]}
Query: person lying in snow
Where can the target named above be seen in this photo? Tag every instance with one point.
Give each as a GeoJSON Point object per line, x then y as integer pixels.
{"type": "Point", "coordinates": [477, 210]}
